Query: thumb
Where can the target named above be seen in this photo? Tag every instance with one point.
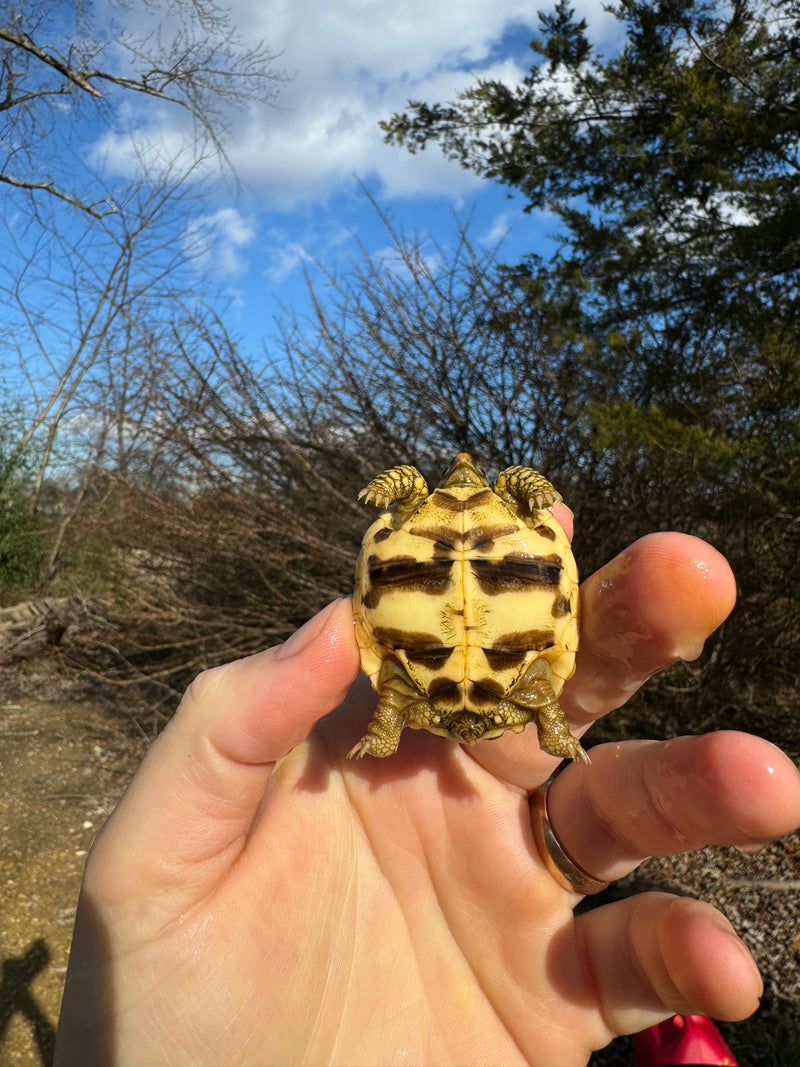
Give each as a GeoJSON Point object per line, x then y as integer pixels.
{"type": "Point", "coordinates": [195, 794]}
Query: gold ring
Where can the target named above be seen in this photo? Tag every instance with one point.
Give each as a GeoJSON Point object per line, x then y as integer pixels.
{"type": "Point", "coordinates": [569, 874]}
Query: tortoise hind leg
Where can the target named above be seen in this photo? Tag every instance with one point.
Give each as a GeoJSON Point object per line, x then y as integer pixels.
{"type": "Point", "coordinates": [398, 698]}
{"type": "Point", "coordinates": [535, 692]}
{"type": "Point", "coordinates": [383, 733]}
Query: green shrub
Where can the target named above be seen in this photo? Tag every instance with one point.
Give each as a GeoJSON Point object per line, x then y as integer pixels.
{"type": "Point", "coordinates": [22, 545]}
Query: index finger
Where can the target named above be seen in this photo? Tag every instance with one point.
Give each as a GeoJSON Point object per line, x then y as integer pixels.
{"type": "Point", "coordinates": [652, 605]}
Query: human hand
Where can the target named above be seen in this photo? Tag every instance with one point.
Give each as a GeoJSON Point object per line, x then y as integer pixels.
{"type": "Point", "coordinates": [257, 898]}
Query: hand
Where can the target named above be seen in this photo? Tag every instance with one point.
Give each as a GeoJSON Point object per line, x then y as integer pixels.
{"type": "Point", "coordinates": [257, 898]}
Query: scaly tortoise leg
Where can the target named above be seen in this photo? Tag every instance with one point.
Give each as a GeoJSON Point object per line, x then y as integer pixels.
{"type": "Point", "coordinates": [398, 483]}
{"type": "Point", "coordinates": [524, 485]}
{"type": "Point", "coordinates": [403, 486]}
{"type": "Point", "coordinates": [383, 733]}
{"type": "Point", "coordinates": [398, 697]}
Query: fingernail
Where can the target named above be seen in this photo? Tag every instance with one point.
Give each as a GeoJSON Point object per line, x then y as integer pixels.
{"type": "Point", "coordinates": [307, 632]}
{"type": "Point", "coordinates": [725, 926]}
{"type": "Point", "coordinates": [754, 847]}
{"type": "Point", "coordinates": [747, 956]}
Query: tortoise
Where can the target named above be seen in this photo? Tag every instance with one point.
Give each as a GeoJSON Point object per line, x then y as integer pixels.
{"type": "Point", "coordinates": [466, 608]}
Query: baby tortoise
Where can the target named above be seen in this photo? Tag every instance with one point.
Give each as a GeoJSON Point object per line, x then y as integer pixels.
{"type": "Point", "coordinates": [466, 608]}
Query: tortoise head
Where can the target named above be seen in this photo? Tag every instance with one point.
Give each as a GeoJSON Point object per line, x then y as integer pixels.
{"type": "Point", "coordinates": [465, 471]}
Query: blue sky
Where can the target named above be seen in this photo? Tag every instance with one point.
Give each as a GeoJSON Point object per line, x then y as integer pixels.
{"type": "Point", "coordinates": [303, 163]}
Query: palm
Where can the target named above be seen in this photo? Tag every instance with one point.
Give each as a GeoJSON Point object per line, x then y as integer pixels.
{"type": "Point", "coordinates": [428, 861]}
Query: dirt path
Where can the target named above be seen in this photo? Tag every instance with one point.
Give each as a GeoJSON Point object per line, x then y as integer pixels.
{"type": "Point", "coordinates": [62, 768]}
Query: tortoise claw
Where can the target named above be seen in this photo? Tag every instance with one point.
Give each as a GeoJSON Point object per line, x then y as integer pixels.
{"type": "Point", "coordinates": [526, 486]}
{"type": "Point", "coordinates": [360, 748]}
{"type": "Point", "coordinates": [404, 484]}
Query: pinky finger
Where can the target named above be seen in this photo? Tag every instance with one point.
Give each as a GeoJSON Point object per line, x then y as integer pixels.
{"type": "Point", "coordinates": [656, 955]}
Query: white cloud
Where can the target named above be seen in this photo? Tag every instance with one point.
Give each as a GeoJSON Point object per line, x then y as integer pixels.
{"type": "Point", "coordinates": [352, 63]}
{"type": "Point", "coordinates": [303, 243]}
{"type": "Point", "coordinates": [498, 231]}
{"type": "Point", "coordinates": [215, 241]}
{"type": "Point", "coordinates": [284, 258]}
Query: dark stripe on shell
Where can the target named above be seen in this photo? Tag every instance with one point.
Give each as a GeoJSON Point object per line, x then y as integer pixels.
{"type": "Point", "coordinates": [381, 535]}
{"type": "Point", "coordinates": [485, 691]}
{"type": "Point", "coordinates": [432, 658]}
{"type": "Point", "coordinates": [561, 606]}
{"type": "Point", "coordinates": [546, 532]}
{"type": "Point", "coordinates": [444, 500]}
{"type": "Point", "coordinates": [446, 691]}
{"type": "Point", "coordinates": [524, 641]}
{"type": "Point", "coordinates": [424, 649]}
{"type": "Point", "coordinates": [482, 538]}
{"type": "Point", "coordinates": [511, 649]}
{"type": "Point", "coordinates": [405, 572]}
{"type": "Point", "coordinates": [516, 573]}
{"type": "Point", "coordinates": [445, 538]}
{"type": "Point", "coordinates": [448, 539]}
{"type": "Point", "coordinates": [408, 640]}
{"type": "Point", "coordinates": [501, 660]}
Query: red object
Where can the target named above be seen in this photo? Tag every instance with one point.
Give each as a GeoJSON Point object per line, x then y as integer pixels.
{"type": "Point", "coordinates": [682, 1040]}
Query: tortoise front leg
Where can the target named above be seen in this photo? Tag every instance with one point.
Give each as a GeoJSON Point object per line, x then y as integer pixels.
{"type": "Point", "coordinates": [524, 485]}
{"type": "Point", "coordinates": [403, 486]}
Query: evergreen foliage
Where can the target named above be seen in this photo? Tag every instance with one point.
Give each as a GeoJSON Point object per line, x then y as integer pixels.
{"type": "Point", "coordinates": [674, 168]}
{"type": "Point", "coordinates": [673, 165]}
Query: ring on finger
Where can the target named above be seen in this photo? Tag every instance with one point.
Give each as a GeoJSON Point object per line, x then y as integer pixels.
{"type": "Point", "coordinates": [569, 874]}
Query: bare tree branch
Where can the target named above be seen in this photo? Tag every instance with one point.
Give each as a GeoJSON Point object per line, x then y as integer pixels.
{"type": "Point", "coordinates": [53, 190]}
{"type": "Point", "coordinates": [192, 61]}
{"type": "Point", "coordinates": [77, 77]}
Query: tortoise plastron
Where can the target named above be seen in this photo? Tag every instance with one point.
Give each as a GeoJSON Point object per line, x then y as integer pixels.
{"type": "Point", "coordinates": [466, 608]}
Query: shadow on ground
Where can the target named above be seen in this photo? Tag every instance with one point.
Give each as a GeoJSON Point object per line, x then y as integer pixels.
{"type": "Point", "coordinates": [18, 999]}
